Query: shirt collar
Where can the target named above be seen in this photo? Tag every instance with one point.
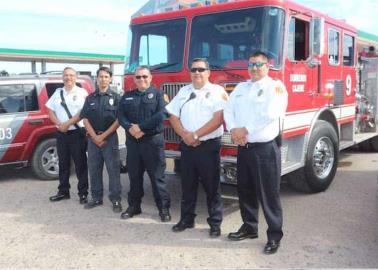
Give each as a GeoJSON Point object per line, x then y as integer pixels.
{"type": "Point", "coordinates": [108, 92]}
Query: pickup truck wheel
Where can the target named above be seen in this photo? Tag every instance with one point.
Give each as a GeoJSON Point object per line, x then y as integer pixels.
{"type": "Point", "coordinates": [321, 160]}
{"type": "Point", "coordinates": [45, 163]}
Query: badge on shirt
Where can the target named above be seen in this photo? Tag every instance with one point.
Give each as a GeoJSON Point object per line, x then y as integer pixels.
{"type": "Point", "coordinates": [150, 95]}
{"type": "Point", "coordinates": [260, 92]}
{"type": "Point", "coordinates": [111, 101]}
{"type": "Point", "coordinates": [207, 95]}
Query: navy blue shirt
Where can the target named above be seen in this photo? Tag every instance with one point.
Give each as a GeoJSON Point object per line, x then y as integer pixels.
{"type": "Point", "coordinates": [143, 108]}
{"type": "Point", "coordinates": [101, 109]}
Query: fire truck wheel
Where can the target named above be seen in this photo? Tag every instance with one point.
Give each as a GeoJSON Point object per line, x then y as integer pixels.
{"type": "Point", "coordinates": [45, 163]}
{"type": "Point", "coordinates": [374, 143]}
{"type": "Point", "coordinates": [321, 160]}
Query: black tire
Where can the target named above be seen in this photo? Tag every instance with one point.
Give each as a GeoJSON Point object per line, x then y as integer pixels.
{"type": "Point", "coordinates": [177, 166]}
{"type": "Point", "coordinates": [374, 144]}
{"type": "Point", "coordinates": [365, 146]}
{"type": "Point", "coordinates": [45, 163]}
{"type": "Point", "coordinates": [321, 160]}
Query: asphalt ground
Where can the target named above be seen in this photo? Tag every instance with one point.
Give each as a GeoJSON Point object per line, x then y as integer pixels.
{"type": "Point", "coordinates": [333, 229]}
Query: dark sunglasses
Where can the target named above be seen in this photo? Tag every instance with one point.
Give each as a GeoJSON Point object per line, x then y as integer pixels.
{"type": "Point", "coordinates": [141, 76]}
{"type": "Point", "coordinates": [256, 64]}
{"type": "Point", "coordinates": [200, 70]}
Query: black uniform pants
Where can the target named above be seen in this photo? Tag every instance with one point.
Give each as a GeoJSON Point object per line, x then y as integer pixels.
{"type": "Point", "coordinates": [201, 163]}
{"type": "Point", "coordinates": [258, 175]}
{"type": "Point", "coordinates": [147, 154]}
{"type": "Point", "coordinates": [72, 144]}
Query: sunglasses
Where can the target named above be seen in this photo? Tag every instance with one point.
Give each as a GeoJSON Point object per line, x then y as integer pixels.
{"type": "Point", "coordinates": [256, 64]}
{"type": "Point", "coordinates": [138, 77]}
{"type": "Point", "coordinates": [200, 70]}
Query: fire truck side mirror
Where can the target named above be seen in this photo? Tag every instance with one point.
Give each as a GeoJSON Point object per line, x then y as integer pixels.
{"type": "Point", "coordinates": [317, 37]}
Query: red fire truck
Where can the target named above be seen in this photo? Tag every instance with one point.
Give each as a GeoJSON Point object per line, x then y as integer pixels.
{"type": "Point", "coordinates": [332, 96]}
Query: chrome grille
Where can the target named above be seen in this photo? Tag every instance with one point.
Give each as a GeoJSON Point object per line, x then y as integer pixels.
{"type": "Point", "coordinates": [171, 89]}
{"type": "Point", "coordinates": [170, 135]}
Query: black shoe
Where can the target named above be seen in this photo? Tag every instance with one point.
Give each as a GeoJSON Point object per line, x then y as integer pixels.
{"type": "Point", "coordinates": [242, 234]}
{"type": "Point", "coordinates": [117, 207]}
{"type": "Point", "coordinates": [92, 204]}
{"type": "Point", "coordinates": [271, 247]}
{"type": "Point", "coordinates": [59, 197]}
{"type": "Point", "coordinates": [130, 212]}
{"type": "Point", "coordinates": [215, 231]}
{"type": "Point", "coordinates": [182, 226]}
{"type": "Point", "coordinates": [83, 199]}
{"type": "Point", "coordinates": [164, 214]}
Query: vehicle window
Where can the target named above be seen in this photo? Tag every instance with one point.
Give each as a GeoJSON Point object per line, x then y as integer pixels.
{"type": "Point", "coordinates": [160, 45]}
{"type": "Point", "coordinates": [298, 40]}
{"type": "Point", "coordinates": [31, 98]}
{"type": "Point", "coordinates": [348, 50]}
{"type": "Point", "coordinates": [333, 47]}
{"type": "Point", "coordinates": [18, 98]}
{"type": "Point", "coordinates": [227, 39]}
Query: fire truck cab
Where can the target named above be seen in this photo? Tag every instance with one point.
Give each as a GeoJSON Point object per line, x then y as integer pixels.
{"type": "Point", "coordinates": [314, 55]}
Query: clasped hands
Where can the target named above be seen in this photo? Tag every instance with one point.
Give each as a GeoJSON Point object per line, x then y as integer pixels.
{"type": "Point", "coordinates": [135, 131]}
{"type": "Point", "coordinates": [239, 136]}
{"type": "Point", "coordinates": [188, 138]}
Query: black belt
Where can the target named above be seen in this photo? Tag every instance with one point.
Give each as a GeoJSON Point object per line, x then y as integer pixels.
{"type": "Point", "coordinates": [143, 138]}
{"type": "Point", "coordinates": [255, 144]}
{"type": "Point", "coordinates": [211, 140]}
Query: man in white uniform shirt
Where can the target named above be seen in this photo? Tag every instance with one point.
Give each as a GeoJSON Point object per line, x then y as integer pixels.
{"type": "Point", "coordinates": [196, 115]}
{"type": "Point", "coordinates": [253, 115]}
{"type": "Point", "coordinates": [71, 140]}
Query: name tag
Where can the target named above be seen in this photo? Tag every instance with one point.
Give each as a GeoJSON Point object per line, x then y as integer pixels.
{"type": "Point", "coordinates": [129, 98]}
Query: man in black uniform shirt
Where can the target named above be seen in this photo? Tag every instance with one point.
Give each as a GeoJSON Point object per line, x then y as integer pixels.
{"type": "Point", "coordinates": [141, 114]}
{"type": "Point", "coordinates": [100, 119]}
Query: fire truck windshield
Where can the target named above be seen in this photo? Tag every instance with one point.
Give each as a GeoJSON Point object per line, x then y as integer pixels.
{"type": "Point", "coordinates": [159, 45]}
{"type": "Point", "coordinates": [227, 39]}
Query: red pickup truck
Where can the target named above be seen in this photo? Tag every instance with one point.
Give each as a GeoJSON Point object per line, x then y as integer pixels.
{"type": "Point", "coordinates": [27, 137]}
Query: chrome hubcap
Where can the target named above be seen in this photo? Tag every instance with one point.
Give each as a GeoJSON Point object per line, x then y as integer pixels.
{"type": "Point", "coordinates": [323, 157]}
{"type": "Point", "coordinates": [50, 161]}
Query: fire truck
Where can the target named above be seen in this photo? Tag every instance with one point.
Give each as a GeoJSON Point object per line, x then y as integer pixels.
{"type": "Point", "coordinates": [332, 95]}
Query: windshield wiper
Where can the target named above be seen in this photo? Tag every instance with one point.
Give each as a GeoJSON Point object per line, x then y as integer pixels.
{"type": "Point", "coordinates": [231, 74]}
{"type": "Point", "coordinates": [163, 65]}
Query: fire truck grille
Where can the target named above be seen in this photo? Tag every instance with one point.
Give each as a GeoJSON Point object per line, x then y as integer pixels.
{"type": "Point", "coordinates": [170, 135]}
{"type": "Point", "coordinates": [171, 89]}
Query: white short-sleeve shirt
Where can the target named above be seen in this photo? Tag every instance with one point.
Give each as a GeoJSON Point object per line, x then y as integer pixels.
{"type": "Point", "coordinates": [74, 99]}
{"type": "Point", "coordinates": [196, 112]}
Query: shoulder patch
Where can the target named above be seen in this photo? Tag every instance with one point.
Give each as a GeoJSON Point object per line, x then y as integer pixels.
{"type": "Point", "coordinates": [279, 90]}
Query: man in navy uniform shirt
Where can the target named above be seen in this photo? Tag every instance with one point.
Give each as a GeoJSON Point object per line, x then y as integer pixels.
{"type": "Point", "coordinates": [141, 114]}
{"type": "Point", "coordinates": [100, 120]}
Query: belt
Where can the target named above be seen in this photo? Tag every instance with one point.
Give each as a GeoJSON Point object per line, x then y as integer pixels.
{"type": "Point", "coordinates": [211, 140]}
{"type": "Point", "coordinates": [255, 144]}
{"type": "Point", "coordinates": [145, 137]}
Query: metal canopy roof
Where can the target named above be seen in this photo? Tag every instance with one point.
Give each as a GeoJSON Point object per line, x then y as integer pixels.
{"type": "Point", "coordinates": [58, 56]}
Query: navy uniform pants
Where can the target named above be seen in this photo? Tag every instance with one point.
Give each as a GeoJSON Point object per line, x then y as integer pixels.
{"type": "Point", "coordinates": [109, 153]}
{"type": "Point", "coordinates": [147, 154]}
{"type": "Point", "coordinates": [72, 144]}
{"type": "Point", "coordinates": [259, 177]}
{"type": "Point", "coordinates": [201, 164]}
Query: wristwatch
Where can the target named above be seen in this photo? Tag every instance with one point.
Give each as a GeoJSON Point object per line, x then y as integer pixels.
{"type": "Point", "coordinates": [195, 136]}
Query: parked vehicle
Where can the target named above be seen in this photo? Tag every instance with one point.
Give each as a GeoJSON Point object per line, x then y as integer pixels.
{"type": "Point", "coordinates": [26, 133]}
{"type": "Point", "coordinates": [330, 106]}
